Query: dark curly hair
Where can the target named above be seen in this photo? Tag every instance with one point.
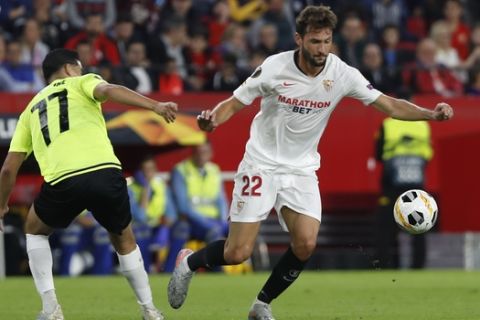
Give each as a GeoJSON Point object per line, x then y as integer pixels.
{"type": "Point", "coordinates": [56, 59]}
{"type": "Point", "coordinates": [315, 17]}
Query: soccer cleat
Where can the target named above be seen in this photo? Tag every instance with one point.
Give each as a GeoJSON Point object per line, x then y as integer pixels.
{"type": "Point", "coordinates": [152, 314]}
{"type": "Point", "coordinates": [57, 314]}
{"type": "Point", "coordinates": [260, 311]}
{"type": "Point", "coordinates": [180, 280]}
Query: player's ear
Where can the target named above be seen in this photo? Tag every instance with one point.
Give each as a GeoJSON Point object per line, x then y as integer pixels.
{"type": "Point", "coordinates": [67, 69]}
{"type": "Point", "coordinates": [298, 39]}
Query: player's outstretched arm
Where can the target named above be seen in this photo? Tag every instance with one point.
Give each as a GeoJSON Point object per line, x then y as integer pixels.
{"type": "Point", "coordinates": [123, 95]}
{"type": "Point", "coordinates": [208, 120]}
{"type": "Point", "coordinates": [405, 110]}
{"type": "Point", "coordinates": [8, 175]}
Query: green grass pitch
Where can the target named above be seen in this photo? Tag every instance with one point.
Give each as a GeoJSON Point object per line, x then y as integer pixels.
{"type": "Point", "coordinates": [322, 295]}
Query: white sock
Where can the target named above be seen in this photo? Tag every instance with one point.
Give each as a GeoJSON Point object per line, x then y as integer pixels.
{"type": "Point", "coordinates": [49, 301]}
{"type": "Point", "coordinates": [131, 266]}
{"type": "Point", "coordinates": [40, 261]}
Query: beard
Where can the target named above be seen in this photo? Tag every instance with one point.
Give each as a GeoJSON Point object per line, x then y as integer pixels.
{"type": "Point", "coordinates": [311, 60]}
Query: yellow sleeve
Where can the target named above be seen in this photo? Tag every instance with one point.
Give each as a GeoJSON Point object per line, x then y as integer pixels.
{"type": "Point", "coordinates": [88, 83]}
{"type": "Point", "coordinates": [22, 137]}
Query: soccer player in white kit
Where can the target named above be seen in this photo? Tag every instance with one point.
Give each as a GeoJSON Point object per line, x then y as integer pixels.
{"type": "Point", "coordinates": [299, 91]}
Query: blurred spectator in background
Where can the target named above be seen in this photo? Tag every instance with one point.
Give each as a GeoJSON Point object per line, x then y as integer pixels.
{"type": "Point", "coordinates": [280, 15]}
{"type": "Point", "coordinates": [123, 34]}
{"type": "Point", "coordinates": [85, 248]}
{"type": "Point", "coordinates": [53, 21]}
{"type": "Point", "coordinates": [383, 79]}
{"type": "Point", "coordinates": [416, 25]}
{"type": "Point", "coordinates": [472, 11]}
{"type": "Point", "coordinates": [198, 192]}
{"type": "Point", "coordinates": [235, 44]}
{"type": "Point", "coordinates": [387, 12]}
{"type": "Point", "coordinates": [94, 32]}
{"type": "Point", "coordinates": [203, 61]}
{"type": "Point", "coordinates": [246, 10]}
{"type": "Point", "coordinates": [170, 43]}
{"type": "Point", "coordinates": [85, 54]}
{"type": "Point", "coordinates": [21, 72]}
{"type": "Point", "coordinates": [228, 77]}
{"type": "Point", "coordinates": [426, 76]}
{"type": "Point", "coordinates": [7, 82]}
{"type": "Point", "coordinates": [460, 32]}
{"type": "Point", "coordinates": [153, 212]}
{"type": "Point", "coordinates": [139, 10]}
{"type": "Point", "coordinates": [255, 60]}
{"type": "Point", "coordinates": [33, 49]}
{"type": "Point", "coordinates": [79, 10]}
{"type": "Point", "coordinates": [218, 23]}
{"type": "Point", "coordinates": [432, 11]}
{"type": "Point", "coordinates": [404, 148]}
{"type": "Point", "coordinates": [170, 81]}
{"type": "Point", "coordinates": [136, 74]}
{"type": "Point", "coordinates": [13, 14]}
{"type": "Point", "coordinates": [445, 55]}
{"type": "Point", "coordinates": [104, 69]}
{"type": "Point", "coordinates": [351, 41]}
{"type": "Point", "coordinates": [473, 59]}
{"type": "Point", "coordinates": [268, 40]}
{"type": "Point", "coordinates": [181, 9]}
{"type": "Point", "coordinates": [395, 56]}
{"type": "Point", "coordinates": [474, 85]}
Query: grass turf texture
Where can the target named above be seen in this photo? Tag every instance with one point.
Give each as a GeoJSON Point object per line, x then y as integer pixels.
{"type": "Point", "coordinates": [366, 295]}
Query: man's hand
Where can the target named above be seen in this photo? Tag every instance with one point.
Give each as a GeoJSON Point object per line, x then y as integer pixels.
{"type": "Point", "coordinates": [206, 121]}
{"type": "Point", "coordinates": [3, 212]}
{"type": "Point", "coordinates": [167, 110]}
{"type": "Point", "coordinates": [442, 112]}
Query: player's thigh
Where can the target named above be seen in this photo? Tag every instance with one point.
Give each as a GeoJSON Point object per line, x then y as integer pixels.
{"type": "Point", "coordinates": [241, 240]}
{"type": "Point", "coordinates": [303, 228]}
{"type": "Point", "coordinates": [108, 200]}
{"type": "Point", "coordinates": [254, 195]}
{"type": "Point", "coordinates": [301, 194]}
{"type": "Point", "coordinates": [33, 224]}
{"type": "Point", "coordinates": [57, 205]}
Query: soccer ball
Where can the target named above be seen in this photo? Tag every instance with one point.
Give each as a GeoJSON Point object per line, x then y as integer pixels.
{"type": "Point", "coordinates": [415, 211]}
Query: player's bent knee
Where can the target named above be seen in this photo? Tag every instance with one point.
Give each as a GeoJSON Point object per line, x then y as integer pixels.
{"type": "Point", "coordinates": [237, 255]}
{"type": "Point", "coordinates": [33, 225]}
{"type": "Point", "coordinates": [304, 250]}
{"type": "Point", "coordinates": [123, 243]}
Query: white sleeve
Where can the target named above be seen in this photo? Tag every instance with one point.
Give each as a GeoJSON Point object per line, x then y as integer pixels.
{"type": "Point", "coordinates": [360, 88]}
{"type": "Point", "coordinates": [257, 85]}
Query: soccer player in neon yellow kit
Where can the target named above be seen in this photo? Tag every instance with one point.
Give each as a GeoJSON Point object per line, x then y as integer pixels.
{"type": "Point", "coordinates": [299, 90]}
{"type": "Point", "coordinates": [64, 127]}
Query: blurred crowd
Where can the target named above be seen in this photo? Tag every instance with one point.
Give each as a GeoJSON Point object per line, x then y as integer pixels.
{"type": "Point", "coordinates": [403, 47]}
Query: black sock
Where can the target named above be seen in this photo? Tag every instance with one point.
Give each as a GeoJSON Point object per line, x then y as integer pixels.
{"type": "Point", "coordinates": [285, 272]}
{"type": "Point", "coordinates": [211, 256]}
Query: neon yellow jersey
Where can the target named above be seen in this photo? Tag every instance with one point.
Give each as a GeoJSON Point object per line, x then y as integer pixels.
{"type": "Point", "coordinates": [63, 125]}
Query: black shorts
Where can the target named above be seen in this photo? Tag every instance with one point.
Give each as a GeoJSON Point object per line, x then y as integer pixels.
{"type": "Point", "coordinates": [102, 192]}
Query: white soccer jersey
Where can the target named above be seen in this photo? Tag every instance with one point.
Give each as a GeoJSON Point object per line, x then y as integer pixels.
{"type": "Point", "coordinates": [295, 109]}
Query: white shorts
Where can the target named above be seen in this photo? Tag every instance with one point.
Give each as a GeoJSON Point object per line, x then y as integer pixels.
{"type": "Point", "coordinates": [257, 191]}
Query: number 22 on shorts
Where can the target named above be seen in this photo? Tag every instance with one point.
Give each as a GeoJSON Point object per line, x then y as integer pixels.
{"type": "Point", "coordinates": [251, 186]}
